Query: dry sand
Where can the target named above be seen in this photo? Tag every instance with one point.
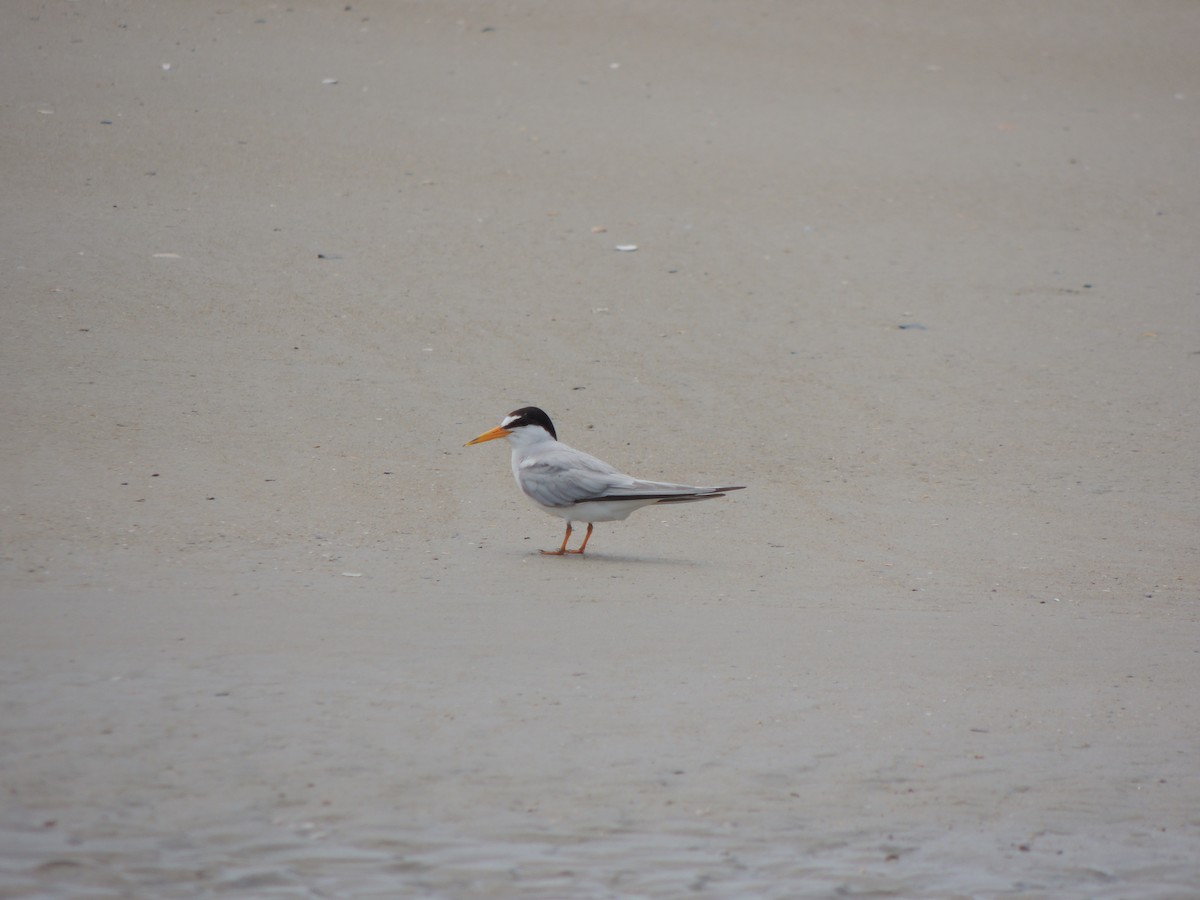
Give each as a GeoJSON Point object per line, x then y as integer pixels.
{"type": "Point", "coordinates": [267, 629]}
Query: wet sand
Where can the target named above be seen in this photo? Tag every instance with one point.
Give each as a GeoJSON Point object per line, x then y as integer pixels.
{"type": "Point", "coordinates": [922, 276]}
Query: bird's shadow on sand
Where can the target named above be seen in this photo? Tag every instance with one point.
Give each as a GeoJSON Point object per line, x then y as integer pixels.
{"type": "Point", "coordinates": [610, 558]}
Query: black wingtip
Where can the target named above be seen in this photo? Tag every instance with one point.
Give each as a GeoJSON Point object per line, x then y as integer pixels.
{"type": "Point", "coordinates": [688, 498]}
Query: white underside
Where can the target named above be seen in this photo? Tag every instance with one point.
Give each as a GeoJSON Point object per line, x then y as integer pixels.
{"type": "Point", "coordinates": [595, 510]}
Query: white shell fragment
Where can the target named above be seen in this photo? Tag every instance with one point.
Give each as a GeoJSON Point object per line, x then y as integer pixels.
{"type": "Point", "coordinates": [626, 248]}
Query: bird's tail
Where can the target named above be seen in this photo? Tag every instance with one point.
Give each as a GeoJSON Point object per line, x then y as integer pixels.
{"type": "Point", "coordinates": [705, 493]}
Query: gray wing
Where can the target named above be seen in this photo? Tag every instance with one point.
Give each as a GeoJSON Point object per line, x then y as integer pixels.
{"type": "Point", "coordinates": [665, 491]}
{"type": "Point", "coordinates": [562, 476]}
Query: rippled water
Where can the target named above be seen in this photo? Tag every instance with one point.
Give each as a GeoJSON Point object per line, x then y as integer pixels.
{"type": "Point", "coordinates": [276, 859]}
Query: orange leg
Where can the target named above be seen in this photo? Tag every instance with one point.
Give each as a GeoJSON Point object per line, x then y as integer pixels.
{"type": "Point", "coordinates": [563, 549]}
{"type": "Point", "coordinates": [586, 537]}
{"type": "Point", "coordinates": [566, 537]}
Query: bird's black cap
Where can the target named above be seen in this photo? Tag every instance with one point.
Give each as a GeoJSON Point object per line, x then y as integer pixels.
{"type": "Point", "coordinates": [529, 415]}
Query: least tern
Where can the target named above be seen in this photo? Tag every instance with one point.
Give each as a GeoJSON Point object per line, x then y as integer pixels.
{"type": "Point", "coordinates": [574, 485]}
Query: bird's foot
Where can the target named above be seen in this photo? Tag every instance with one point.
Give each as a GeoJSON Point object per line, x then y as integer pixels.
{"type": "Point", "coordinates": [562, 551]}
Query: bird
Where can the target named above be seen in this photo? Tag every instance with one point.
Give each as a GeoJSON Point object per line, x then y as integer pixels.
{"type": "Point", "coordinates": [577, 486]}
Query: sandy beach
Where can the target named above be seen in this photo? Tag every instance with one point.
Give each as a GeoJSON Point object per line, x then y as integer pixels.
{"type": "Point", "coordinates": [923, 276]}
